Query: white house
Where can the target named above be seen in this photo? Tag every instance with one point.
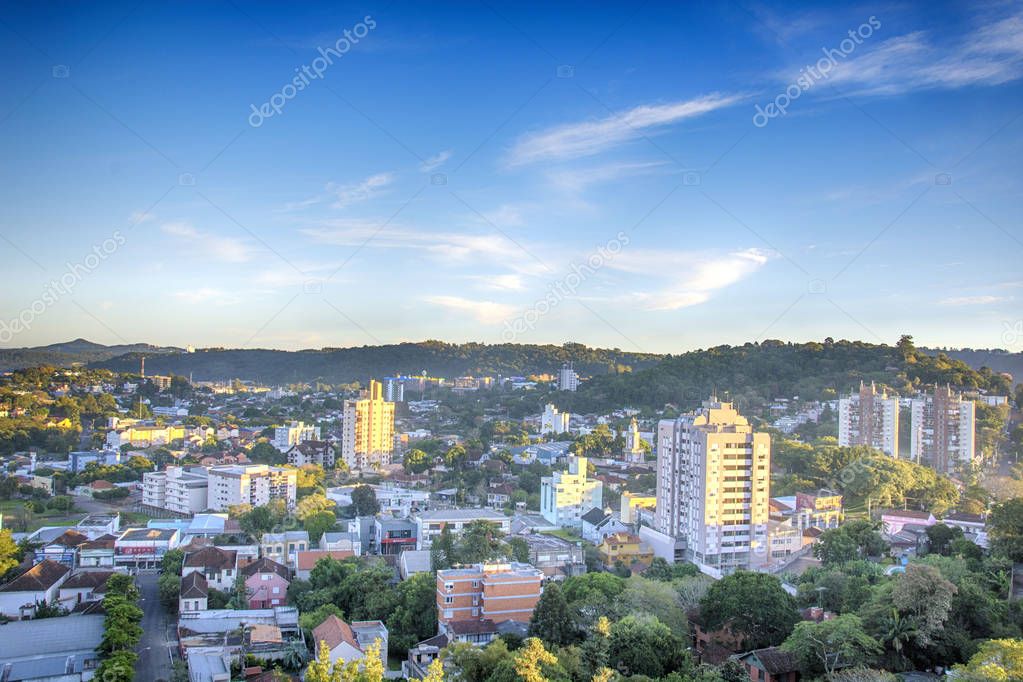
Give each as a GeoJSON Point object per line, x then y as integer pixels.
{"type": "Point", "coordinates": [430, 524]}
{"type": "Point", "coordinates": [194, 593]}
{"type": "Point", "coordinates": [38, 585]}
{"type": "Point", "coordinates": [218, 566]}
{"type": "Point", "coordinates": [349, 642]}
{"type": "Point", "coordinates": [567, 495]}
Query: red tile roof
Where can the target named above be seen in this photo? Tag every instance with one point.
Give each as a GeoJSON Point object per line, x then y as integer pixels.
{"type": "Point", "coordinates": [70, 538]}
{"type": "Point", "coordinates": [194, 586]}
{"type": "Point", "coordinates": [333, 631]}
{"type": "Point", "coordinates": [265, 565]}
{"type": "Point", "coordinates": [212, 558]}
{"type": "Point", "coordinates": [102, 542]}
{"type": "Point", "coordinates": [39, 578]}
{"type": "Point", "coordinates": [307, 560]}
{"type": "Point", "coordinates": [85, 579]}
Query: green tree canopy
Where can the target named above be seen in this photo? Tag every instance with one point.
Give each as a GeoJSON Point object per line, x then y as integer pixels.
{"type": "Point", "coordinates": [753, 605]}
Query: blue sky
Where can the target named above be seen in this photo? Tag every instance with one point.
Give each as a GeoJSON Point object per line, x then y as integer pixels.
{"type": "Point", "coordinates": [489, 172]}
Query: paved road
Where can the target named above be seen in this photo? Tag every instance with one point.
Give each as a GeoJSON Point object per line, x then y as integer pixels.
{"type": "Point", "coordinates": [154, 648]}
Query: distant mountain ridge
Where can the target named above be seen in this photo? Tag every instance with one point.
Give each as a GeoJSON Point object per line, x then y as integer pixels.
{"type": "Point", "coordinates": [78, 351]}
{"type": "Point", "coordinates": [339, 365]}
{"type": "Point", "coordinates": [998, 360]}
{"type": "Point", "coordinates": [342, 365]}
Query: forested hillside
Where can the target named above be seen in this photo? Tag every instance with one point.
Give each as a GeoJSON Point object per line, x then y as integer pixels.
{"type": "Point", "coordinates": [342, 365]}
{"type": "Point", "coordinates": [756, 373]}
{"type": "Point", "coordinates": [71, 352]}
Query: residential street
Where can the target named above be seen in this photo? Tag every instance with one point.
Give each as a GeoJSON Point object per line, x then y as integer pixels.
{"type": "Point", "coordinates": [154, 648]}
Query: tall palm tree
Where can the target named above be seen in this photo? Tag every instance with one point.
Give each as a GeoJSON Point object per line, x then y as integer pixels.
{"type": "Point", "coordinates": [295, 656]}
{"type": "Point", "coordinates": [896, 632]}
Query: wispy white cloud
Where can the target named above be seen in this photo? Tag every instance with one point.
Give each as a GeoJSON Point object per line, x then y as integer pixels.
{"type": "Point", "coordinates": [206, 295]}
{"type": "Point", "coordinates": [139, 217]}
{"type": "Point", "coordinates": [346, 195]}
{"type": "Point", "coordinates": [299, 205]}
{"type": "Point", "coordinates": [579, 179]}
{"type": "Point", "coordinates": [435, 161]}
{"type": "Point", "coordinates": [500, 282]}
{"type": "Point", "coordinates": [586, 138]}
{"type": "Point", "coordinates": [493, 248]}
{"type": "Point", "coordinates": [486, 312]}
{"type": "Point", "coordinates": [222, 248]}
{"type": "Point", "coordinates": [690, 277]}
{"type": "Point", "coordinates": [990, 53]}
{"type": "Point", "coordinates": [505, 215]}
{"type": "Point", "coordinates": [957, 301]}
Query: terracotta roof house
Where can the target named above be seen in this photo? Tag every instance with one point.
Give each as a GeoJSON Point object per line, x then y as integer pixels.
{"type": "Point", "coordinates": [769, 665]}
{"type": "Point", "coordinates": [349, 642]}
{"type": "Point", "coordinates": [194, 593]}
{"type": "Point", "coordinates": [306, 561]}
{"type": "Point", "coordinates": [63, 548]}
{"type": "Point", "coordinates": [218, 566]}
{"type": "Point", "coordinates": [83, 586]}
{"type": "Point", "coordinates": [38, 585]}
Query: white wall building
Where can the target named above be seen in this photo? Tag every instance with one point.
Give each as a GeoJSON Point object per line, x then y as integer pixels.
{"type": "Point", "coordinates": [290, 435]}
{"type": "Point", "coordinates": [713, 488]}
{"type": "Point", "coordinates": [552, 421]}
{"type": "Point", "coordinates": [254, 484]}
{"type": "Point", "coordinates": [568, 380]}
{"type": "Point", "coordinates": [869, 418]}
{"type": "Point", "coordinates": [567, 495]}
{"type": "Point", "coordinates": [943, 430]}
{"type": "Point", "coordinates": [430, 524]}
{"type": "Point", "coordinates": [393, 500]}
{"type": "Point", "coordinates": [182, 490]}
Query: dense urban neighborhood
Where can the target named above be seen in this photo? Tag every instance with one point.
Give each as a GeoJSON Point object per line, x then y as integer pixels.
{"type": "Point", "coordinates": [484, 529]}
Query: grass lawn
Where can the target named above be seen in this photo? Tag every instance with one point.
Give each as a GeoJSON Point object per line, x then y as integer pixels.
{"type": "Point", "coordinates": [564, 534]}
{"type": "Point", "coordinates": [134, 518]}
{"type": "Point", "coordinates": [49, 517]}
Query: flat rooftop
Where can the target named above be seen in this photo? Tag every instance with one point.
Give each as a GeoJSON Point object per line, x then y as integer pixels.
{"type": "Point", "coordinates": [541, 541]}
{"type": "Point", "coordinates": [460, 515]}
{"type": "Point", "coordinates": [28, 639]}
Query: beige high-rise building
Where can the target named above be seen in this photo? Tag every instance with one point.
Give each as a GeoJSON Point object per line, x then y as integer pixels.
{"type": "Point", "coordinates": [713, 487]}
{"type": "Point", "coordinates": [869, 417]}
{"type": "Point", "coordinates": [944, 427]}
{"type": "Point", "coordinates": [368, 430]}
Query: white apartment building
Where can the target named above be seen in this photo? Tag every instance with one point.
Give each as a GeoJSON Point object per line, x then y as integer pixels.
{"type": "Point", "coordinates": [394, 390]}
{"type": "Point", "coordinates": [567, 495]}
{"type": "Point", "coordinates": [713, 488]}
{"type": "Point", "coordinates": [552, 421]}
{"type": "Point", "coordinates": [568, 380]}
{"type": "Point", "coordinates": [182, 490]}
{"type": "Point", "coordinates": [430, 524]}
{"type": "Point", "coordinates": [290, 435]}
{"type": "Point", "coordinates": [869, 418]}
{"type": "Point", "coordinates": [394, 500]}
{"type": "Point", "coordinates": [254, 484]}
{"type": "Point", "coordinates": [943, 430]}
